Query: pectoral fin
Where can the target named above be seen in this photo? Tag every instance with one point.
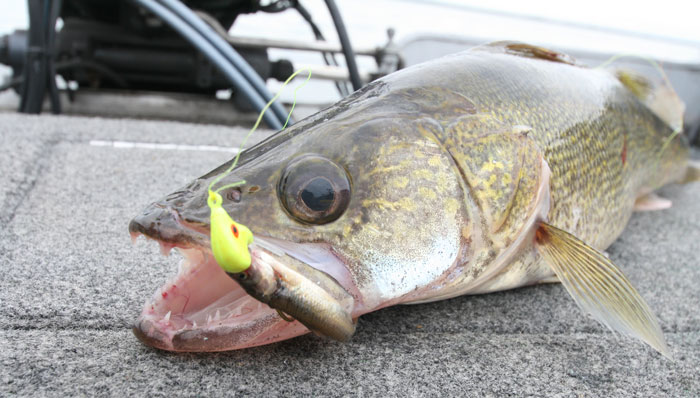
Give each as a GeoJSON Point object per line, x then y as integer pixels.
{"type": "Point", "coordinates": [651, 202]}
{"type": "Point", "coordinates": [599, 287]}
{"type": "Point", "coordinates": [692, 173]}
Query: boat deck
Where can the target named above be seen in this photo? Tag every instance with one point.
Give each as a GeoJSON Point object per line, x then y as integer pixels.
{"type": "Point", "coordinates": [72, 283]}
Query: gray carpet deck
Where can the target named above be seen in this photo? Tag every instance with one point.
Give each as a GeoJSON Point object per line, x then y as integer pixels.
{"type": "Point", "coordinates": [71, 284]}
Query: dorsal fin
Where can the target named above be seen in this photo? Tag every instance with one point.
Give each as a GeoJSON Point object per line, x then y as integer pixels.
{"type": "Point", "coordinates": [639, 85]}
{"type": "Point", "coordinates": [528, 51]}
{"type": "Point", "coordinates": [660, 97]}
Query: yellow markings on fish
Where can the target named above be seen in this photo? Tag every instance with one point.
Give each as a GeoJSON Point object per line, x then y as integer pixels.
{"type": "Point", "coordinates": [402, 204]}
{"type": "Point", "coordinates": [407, 204]}
{"type": "Point", "coordinates": [349, 227]}
{"type": "Point", "coordinates": [493, 178]}
{"type": "Point", "coordinates": [435, 161]}
{"type": "Point", "coordinates": [466, 232]}
{"type": "Point", "coordinates": [507, 178]}
{"type": "Point", "coordinates": [442, 183]}
{"type": "Point", "coordinates": [492, 165]}
{"type": "Point", "coordinates": [398, 146]}
{"type": "Point", "coordinates": [451, 206]}
{"type": "Point", "coordinates": [424, 174]}
{"type": "Point", "coordinates": [400, 182]}
{"type": "Point", "coordinates": [379, 169]}
{"type": "Point", "coordinates": [427, 193]}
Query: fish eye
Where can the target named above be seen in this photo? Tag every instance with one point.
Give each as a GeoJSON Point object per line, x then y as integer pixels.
{"type": "Point", "coordinates": [318, 194]}
{"type": "Point", "coordinates": [314, 190]}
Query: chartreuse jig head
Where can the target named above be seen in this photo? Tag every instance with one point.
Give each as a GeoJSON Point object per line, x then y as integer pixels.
{"type": "Point", "coordinates": [229, 239]}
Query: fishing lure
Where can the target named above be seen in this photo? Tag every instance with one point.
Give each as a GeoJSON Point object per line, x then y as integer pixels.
{"type": "Point", "coordinates": [229, 239]}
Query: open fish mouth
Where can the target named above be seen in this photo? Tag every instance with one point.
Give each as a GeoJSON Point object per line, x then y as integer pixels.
{"type": "Point", "coordinates": [202, 309]}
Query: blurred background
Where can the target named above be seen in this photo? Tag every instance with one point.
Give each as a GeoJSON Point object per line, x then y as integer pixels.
{"type": "Point", "coordinates": [125, 58]}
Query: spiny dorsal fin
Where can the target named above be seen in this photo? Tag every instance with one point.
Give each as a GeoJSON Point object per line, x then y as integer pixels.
{"type": "Point", "coordinates": [599, 287]}
{"type": "Point", "coordinates": [661, 98]}
{"type": "Point", "coordinates": [639, 85]}
{"type": "Point", "coordinates": [528, 51]}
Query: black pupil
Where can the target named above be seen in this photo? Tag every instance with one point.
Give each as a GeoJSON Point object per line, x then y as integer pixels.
{"type": "Point", "coordinates": [318, 194]}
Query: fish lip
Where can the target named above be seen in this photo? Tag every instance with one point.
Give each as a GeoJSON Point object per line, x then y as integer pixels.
{"type": "Point", "coordinates": [158, 342]}
{"type": "Point", "coordinates": [164, 224]}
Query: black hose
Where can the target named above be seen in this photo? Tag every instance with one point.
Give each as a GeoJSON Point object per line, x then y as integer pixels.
{"type": "Point", "coordinates": [204, 46]}
{"type": "Point", "coordinates": [34, 86]}
{"type": "Point", "coordinates": [278, 6]}
{"type": "Point", "coordinates": [328, 57]}
{"type": "Point", "coordinates": [50, 46]}
{"type": "Point", "coordinates": [225, 49]}
{"type": "Point", "coordinates": [345, 43]}
{"type": "Point", "coordinates": [39, 74]}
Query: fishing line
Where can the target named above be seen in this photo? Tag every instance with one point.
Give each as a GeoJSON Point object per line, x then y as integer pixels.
{"type": "Point", "coordinates": [255, 127]}
{"type": "Point", "coordinates": [229, 239]}
{"type": "Point", "coordinates": [649, 60]}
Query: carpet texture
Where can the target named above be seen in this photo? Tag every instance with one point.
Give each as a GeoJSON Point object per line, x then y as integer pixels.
{"type": "Point", "coordinates": [72, 283]}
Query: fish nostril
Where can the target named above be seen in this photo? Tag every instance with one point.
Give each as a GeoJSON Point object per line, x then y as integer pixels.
{"type": "Point", "coordinates": [156, 221]}
{"type": "Point", "coordinates": [144, 223]}
{"type": "Point", "coordinates": [234, 195]}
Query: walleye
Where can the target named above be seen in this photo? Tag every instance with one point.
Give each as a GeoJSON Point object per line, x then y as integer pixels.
{"type": "Point", "coordinates": [503, 166]}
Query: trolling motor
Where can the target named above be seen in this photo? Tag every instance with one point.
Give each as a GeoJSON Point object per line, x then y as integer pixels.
{"type": "Point", "coordinates": [165, 46]}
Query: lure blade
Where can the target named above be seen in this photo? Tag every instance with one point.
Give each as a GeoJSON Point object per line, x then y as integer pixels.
{"type": "Point", "coordinates": [229, 239]}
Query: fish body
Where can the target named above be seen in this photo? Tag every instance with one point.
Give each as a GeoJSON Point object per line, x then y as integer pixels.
{"type": "Point", "coordinates": [430, 183]}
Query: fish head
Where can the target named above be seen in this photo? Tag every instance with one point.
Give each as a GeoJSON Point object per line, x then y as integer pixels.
{"type": "Point", "coordinates": [359, 199]}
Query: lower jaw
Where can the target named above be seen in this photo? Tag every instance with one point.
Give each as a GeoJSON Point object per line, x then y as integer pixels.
{"type": "Point", "coordinates": [268, 330]}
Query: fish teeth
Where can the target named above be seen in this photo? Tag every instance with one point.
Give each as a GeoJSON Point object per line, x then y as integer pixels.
{"type": "Point", "coordinates": [134, 236]}
{"type": "Point", "coordinates": [167, 317]}
{"type": "Point", "coordinates": [165, 249]}
{"type": "Point", "coordinates": [209, 319]}
{"type": "Point", "coordinates": [217, 316]}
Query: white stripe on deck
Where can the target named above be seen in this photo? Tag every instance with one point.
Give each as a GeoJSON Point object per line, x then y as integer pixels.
{"type": "Point", "coordinates": [167, 147]}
